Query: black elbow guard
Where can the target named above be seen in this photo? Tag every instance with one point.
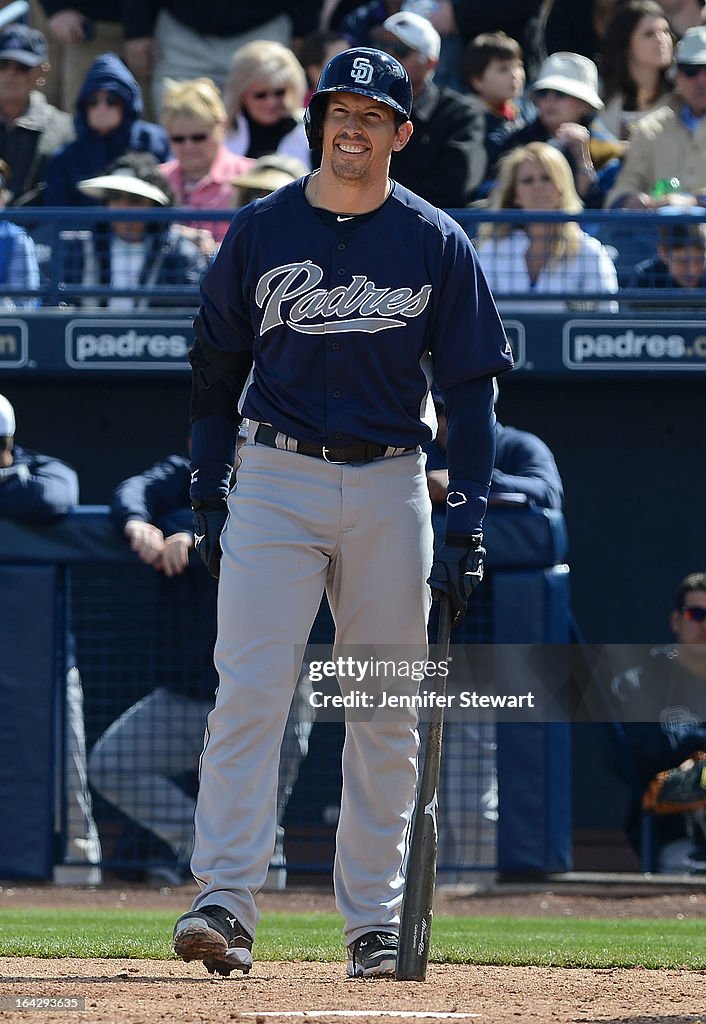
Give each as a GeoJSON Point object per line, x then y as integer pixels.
{"type": "Point", "coordinates": [217, 378]}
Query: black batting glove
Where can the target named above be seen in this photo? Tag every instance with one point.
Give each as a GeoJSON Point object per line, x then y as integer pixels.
{"type": "Point", "coordinates": [209, 520]}
{"type": "Point", "coordinates": [457, 571]}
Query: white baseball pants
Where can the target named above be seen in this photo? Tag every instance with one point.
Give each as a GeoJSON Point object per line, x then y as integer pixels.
{"type": "Point", "coordinates": [298, 525]}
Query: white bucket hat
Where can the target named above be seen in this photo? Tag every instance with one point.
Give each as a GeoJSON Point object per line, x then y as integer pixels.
{"type": "Point", "coordinates": [572, 74]}
{"type": "Point", "coordinates": [122, 181]}
{"type": "Point", "coordinates": [691, 48]}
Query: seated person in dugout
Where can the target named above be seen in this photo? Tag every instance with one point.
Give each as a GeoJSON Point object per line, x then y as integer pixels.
{"type": "Point", "coordinates": [135, 256]}
{"type": "Point", "coordinates": [146, 760]}
{"type": "Point", "coordinates": [662, 706]}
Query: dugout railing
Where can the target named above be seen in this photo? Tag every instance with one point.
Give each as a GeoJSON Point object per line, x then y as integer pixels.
{"type": "Point", "coordinates": [62, 234]}
{"type": "Point", "coordinates": [73, 594]}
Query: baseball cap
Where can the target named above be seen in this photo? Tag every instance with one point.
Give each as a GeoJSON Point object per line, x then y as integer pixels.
{"type": "Point", "coordinates": [415, 32]}
{"type": "Point", "coordinates": [570, 73]}
{"type": "Point", "coordinates": [7, 418]}
{"type": "Point", "coordinates": [691, 48]}
{"type": "Point", "coordinates": [25, 45]}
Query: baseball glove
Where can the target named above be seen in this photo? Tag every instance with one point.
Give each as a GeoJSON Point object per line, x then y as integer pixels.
{"type": "Point", "coordinates": [679, 789]}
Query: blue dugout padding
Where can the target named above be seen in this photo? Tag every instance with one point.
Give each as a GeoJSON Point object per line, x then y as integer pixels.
{"type": "Point", "coordinates": [534, 759]}
{"type": "Point", "coordinates": [32, 653]}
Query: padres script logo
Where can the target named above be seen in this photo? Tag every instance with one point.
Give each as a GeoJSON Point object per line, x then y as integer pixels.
{"type": "Point", "coordinates": [376, 309]}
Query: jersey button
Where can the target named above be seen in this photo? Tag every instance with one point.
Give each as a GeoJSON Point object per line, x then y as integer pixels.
{"type": "Point", "coordinates": [335, 345]}
{"type": "Point", "coordinates": [341, 246]}
{"type": "Point", "coordinates": [341, 271]}
{"type": "Point", "coordinates": [338, 436]}
{"type": "Point", "coordinates": [336, 393]}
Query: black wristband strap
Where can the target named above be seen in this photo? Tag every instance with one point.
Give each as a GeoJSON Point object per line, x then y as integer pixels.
{"type": "Point", "coordinates": [208, 505]}
{"type": "Point", "coordinates": [455, 540]}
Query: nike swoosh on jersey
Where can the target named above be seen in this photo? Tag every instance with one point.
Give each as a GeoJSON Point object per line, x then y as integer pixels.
{"type": "Point", "coordinates": [344, 218]}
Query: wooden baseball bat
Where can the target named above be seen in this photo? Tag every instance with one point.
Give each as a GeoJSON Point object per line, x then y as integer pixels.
{"type": "Point", "coordinates": [418, 901]}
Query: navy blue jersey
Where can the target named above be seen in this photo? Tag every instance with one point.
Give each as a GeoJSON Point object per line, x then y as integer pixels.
{"type": "Point", "coordinates": [350, 324]}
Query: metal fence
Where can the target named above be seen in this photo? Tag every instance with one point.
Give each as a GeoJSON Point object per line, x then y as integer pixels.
{"type": "Point", "coordinates": [65, 241]}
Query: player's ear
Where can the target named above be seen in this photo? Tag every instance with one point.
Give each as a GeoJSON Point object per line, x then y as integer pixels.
{"type": "Point", "coordinates": [402, 136]}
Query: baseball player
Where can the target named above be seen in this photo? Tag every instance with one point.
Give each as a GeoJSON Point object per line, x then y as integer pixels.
{"type": "Point", "coordinates": [331, 306]}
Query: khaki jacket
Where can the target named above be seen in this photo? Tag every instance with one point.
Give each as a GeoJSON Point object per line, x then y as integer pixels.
{"type": "Point", "coordinates": [662, 147]}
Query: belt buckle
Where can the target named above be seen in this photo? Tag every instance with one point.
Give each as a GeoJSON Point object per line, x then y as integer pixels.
{"type": "Point", "coordinates": [331, 462]}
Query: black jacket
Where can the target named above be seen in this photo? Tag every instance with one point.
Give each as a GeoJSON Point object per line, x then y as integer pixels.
{"type": "Point", "coordinates": [663, 709]}
{"type": "Point", "coordinates": [94, 10]}
{"type": "Point", "coordinates": [37, 488]}
{"type": "Point", "coordinates": [220, 17]}
{"type": "Point", "coordinates": [444, 160]}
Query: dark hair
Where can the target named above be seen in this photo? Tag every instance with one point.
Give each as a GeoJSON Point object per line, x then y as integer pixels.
{"type": "Point", "coordinates": [484, 48]}
{"type": "Point", "coordinates": [694, 581]}
{"type": "Point", "coordinates": [144, 166]}
{"type": "Point", "coordinates": [615, 73]}
{"type": "Point", "coordinates": [678, 236]}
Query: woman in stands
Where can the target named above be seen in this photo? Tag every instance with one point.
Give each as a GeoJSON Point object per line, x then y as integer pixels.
{"type": "Point", "coordinates": [536, 258]}
{"type": "Point", "coordinates": [264, 97]}
{"type": "Point", "coordinates": [203, 167]}
{"type": "Point", "coordinates": [637, 53]}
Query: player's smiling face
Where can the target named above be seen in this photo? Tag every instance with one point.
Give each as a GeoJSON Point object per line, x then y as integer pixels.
{"type": "Point", "coordinates": [359, 135]}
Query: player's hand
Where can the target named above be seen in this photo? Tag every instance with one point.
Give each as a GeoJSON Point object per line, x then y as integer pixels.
{"type": "Point", "coordinates": [146, 540]}
{"type": "Point", "coordinates": [175, 554]}
{"type": "Point", "coordinates": [457, 571]}
{"type": "Point", "coordinates": [209, 520]}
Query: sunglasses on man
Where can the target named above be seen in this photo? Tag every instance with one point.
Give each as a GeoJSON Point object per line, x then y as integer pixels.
{"type": "Point", "coordinates": [691, 70]}
{"type": "Point", "coordinates": [694, 614]}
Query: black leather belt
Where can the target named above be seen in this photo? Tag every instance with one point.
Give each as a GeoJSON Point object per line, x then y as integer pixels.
{"type": "Point", "coordinates": [366, 451]}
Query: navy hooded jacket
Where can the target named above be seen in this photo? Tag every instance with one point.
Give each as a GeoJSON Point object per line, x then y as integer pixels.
{"type": "Point", "coordinates": [91, 154]}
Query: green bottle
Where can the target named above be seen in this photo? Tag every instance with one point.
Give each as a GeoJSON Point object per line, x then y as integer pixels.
{"type": "Point", "coordinates": [663, 186]}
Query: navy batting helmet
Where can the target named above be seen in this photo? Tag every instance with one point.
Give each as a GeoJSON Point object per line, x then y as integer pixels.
{"type": "Point", "coordinates": [365, 71]}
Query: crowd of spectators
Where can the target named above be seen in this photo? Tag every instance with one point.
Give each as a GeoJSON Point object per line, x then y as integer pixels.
{"type": "Point", "coordinates": [616, 86]}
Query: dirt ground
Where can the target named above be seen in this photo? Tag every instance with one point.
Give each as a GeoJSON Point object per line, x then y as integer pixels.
{"type": "Point", "coordinates": [147, 992]}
